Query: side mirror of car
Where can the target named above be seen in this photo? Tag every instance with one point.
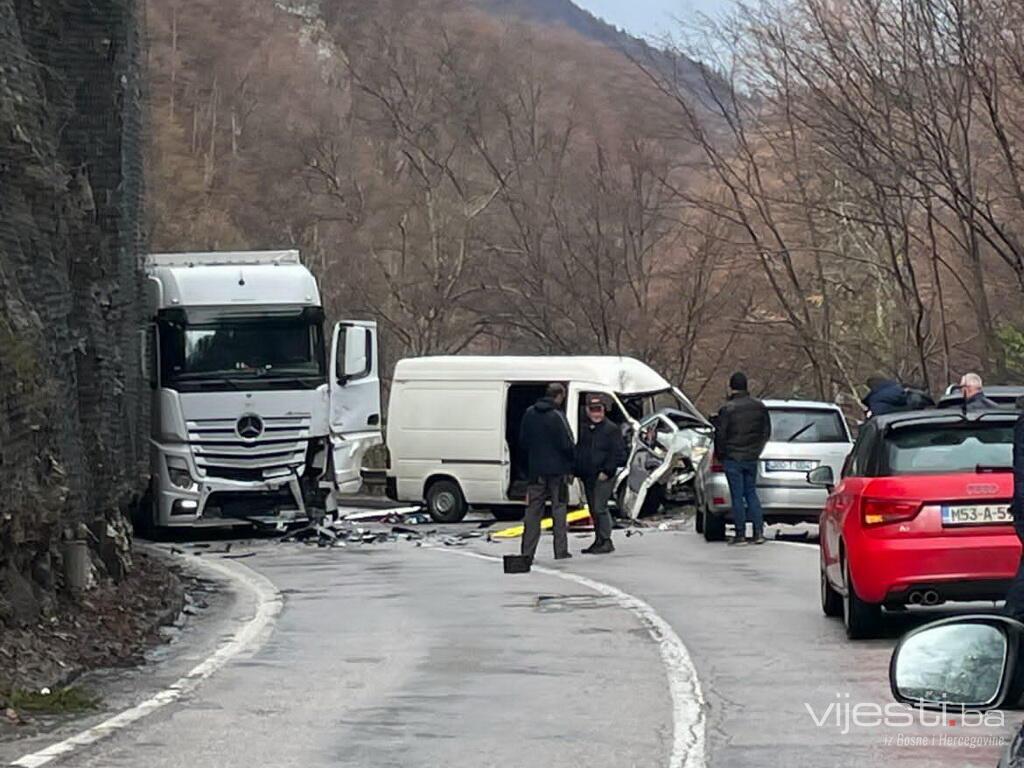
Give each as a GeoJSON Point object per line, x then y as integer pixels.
{"type": "Point", "coordinates": [822, 477]}
{"type": "Point", "coordinates": [963, 663]}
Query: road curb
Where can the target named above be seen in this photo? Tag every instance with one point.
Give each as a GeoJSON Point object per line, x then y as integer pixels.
{"type": "Point", "coordinates": [246, 639]}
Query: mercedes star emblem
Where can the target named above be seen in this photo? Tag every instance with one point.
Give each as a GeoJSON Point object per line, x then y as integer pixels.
{"type": "Point", "coordinates": [249, 427]}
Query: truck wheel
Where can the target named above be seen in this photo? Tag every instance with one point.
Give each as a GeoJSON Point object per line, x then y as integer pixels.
{"type": "Point", "coordinates": [714, 526]}
{"type": "Point", "coordinates": [862, 619]}
{"type": "Point", "coordinates": [445, 502]}
{"type": "Point", "coordinates": [144, 514]}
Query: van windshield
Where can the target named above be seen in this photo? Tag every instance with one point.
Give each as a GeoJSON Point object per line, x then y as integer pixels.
{"type": "Point", "coordinates": [640, 406]}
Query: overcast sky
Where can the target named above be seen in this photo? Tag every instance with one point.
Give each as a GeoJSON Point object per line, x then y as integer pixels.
{"type": "Point", "coordinates": [650, 17]}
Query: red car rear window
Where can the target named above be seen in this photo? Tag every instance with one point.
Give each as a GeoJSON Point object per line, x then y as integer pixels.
{"type": "Point", "coordinates": [947, 448]}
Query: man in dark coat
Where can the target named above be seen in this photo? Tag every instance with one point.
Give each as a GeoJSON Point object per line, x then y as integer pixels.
{"type": "Point", "coordinates": [741, 433]}
{"type": "Point", "coordinates": [884, 396]}
{"type": "Point", "coordinates": [973, 390]}
{"type": "Point", "coordinates": [1015, 595]}
{"type": "Point", "coordinates": [600, 452]}
{"type": "Point", "coordinates": [546, 441]}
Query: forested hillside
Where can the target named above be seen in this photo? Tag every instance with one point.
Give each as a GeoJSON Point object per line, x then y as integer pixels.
{"type": "Point", "coordinates": [516, 176]}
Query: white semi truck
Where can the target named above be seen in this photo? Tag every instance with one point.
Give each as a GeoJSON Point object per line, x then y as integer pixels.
{"type": "Point", "coordinates": [254, 420]}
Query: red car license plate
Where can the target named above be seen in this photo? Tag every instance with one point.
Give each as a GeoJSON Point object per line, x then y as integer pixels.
{"type": "Point", "coordinates": [976, 514]}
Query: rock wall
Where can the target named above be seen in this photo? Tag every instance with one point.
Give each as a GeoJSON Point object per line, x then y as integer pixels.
{"type": "Point", "coordinates": [73, 415]}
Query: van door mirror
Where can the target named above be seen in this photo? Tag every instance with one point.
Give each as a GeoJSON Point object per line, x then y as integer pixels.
{"type": "Point", "coordinates": [962, 663]}
{"type": "Point", "coordinates": [354, 354]}
{"type": "Point", "coordinates": [823, 477]}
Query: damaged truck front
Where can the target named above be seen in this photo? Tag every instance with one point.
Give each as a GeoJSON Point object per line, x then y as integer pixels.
{"type": "Point", "coordinates": [253, 422]}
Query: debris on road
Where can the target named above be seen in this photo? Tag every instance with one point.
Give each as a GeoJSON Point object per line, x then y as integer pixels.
{"type": "Point", "coordinates": [409, 515]}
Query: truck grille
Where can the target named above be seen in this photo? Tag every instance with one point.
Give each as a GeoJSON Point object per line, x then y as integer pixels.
{"type": "Point", "coordinates": [220, 452]}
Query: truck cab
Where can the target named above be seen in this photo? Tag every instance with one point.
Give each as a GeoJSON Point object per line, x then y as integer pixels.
{"type": "Point", "coordinates": [254, 420]}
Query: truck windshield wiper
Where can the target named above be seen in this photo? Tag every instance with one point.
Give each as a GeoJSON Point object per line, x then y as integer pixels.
{"type": "Point", "coordinates": [201, 379]}
{"type": "Point", "coordinates": [799, 432]}
{"type": "Point", "coordinates": [294, 381]}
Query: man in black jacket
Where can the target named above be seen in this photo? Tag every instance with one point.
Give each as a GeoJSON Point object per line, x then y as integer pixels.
{"type": "Point", "coordinates": [546, 441]}
{"type": "Point", "coordinates": [600, 451]}
{"type": "Point", "coordinates": [741, 433]}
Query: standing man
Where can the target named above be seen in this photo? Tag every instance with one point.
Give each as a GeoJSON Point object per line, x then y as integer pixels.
{"type": "Point", "coordinates": [546, 440]}
{"type": "Point", "coordinates": [973, 391]}
{"type": "Point", "coordinates": [742, 431]}
{"type": "Point", "coordinates": [1015, 595]}
{"type": "Point", "coordinates": [600, 451]}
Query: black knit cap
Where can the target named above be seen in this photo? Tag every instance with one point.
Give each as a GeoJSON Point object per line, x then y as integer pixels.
{"type": "Point", "coordinates": [738, 382]}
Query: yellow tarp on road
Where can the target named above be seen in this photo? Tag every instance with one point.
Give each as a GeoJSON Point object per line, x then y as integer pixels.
{"type": "Point", "coordinates": [546, 524]}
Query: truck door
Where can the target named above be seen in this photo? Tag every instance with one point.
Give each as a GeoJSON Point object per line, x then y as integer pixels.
{"type": "Point", "coordinates": [355, 400]}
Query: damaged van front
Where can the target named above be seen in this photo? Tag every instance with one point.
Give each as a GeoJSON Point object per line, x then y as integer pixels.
{"type": "Point", "coordinates": [666, 449]}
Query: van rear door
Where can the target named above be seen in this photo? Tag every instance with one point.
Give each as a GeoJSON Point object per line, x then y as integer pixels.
{"type": "Point", "coordinates": [355, 418]}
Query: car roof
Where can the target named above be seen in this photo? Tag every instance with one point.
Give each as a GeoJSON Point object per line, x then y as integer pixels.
{"type": "Point", "coordinates": [1004, 394]}
{"type": "Point", "coordinates": [804, 404]}
{"type": "Point", "coordinates": [995, 389]}
{"type": "Point", "coordinates": [624, 375]}
{"type": "Point", "coordinates": [940, 416]}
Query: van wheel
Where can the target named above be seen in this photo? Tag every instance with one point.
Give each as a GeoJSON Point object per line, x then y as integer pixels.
{"type": "Point", "coordinates": [714, 526]}
{"type": "Point", "coordinates": [445, 502]}
{"type": "Point", "coordinates": [862, 619]}
{"type": "Point", "coordinates": [831, 601]}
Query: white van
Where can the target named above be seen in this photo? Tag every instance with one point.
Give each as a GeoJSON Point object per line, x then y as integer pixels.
{"type": "Point", "coordinates": [453, 422]}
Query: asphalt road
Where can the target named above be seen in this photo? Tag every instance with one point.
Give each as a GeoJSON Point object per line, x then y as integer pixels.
{"type": "Point", "coordinates": [397, 655]}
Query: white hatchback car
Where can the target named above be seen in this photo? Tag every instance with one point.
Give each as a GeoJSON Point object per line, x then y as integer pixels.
{"type": "Point", "coordinates": [805, 435]}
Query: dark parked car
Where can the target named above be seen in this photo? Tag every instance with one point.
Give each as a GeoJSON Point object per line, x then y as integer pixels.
{"type": "Point", "coordinates": [1003, 395]}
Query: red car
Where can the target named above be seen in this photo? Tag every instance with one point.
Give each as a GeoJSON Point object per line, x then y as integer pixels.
{"type": "Point", "coordinates": [920, 515]}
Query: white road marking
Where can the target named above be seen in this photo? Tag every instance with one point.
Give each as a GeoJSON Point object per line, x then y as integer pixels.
{"type": "Point", "coordinates": [688, 704]}
{"type": "Point", "coordinates": [809, 546]}
{"type": "Point", "coordinates": [249, 637]}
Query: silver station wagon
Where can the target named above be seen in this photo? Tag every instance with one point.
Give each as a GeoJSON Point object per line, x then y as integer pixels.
{"type": "Point", "coordinates": [805, 435]}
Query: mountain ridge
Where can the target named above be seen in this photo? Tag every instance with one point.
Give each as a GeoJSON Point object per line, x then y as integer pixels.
{"type": "Point", "coordinates": [595, 29]}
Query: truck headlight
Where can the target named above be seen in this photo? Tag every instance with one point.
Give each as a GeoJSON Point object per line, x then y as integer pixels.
{"type": "Point", "coordinates": [178, 474]}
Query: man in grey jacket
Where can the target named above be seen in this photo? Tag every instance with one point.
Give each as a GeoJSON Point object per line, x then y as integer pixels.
{"type": "Point", "coordinates": [742, 430]}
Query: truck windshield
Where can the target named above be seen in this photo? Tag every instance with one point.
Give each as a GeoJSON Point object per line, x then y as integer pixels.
{"type": "Point", "coordinates": [203, 351]}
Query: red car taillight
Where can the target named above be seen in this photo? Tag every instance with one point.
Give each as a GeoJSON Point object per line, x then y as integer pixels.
{"type": "Point", "coordinates": [716, 463]}
{"type": "Point", "coordinates": [886, 511]}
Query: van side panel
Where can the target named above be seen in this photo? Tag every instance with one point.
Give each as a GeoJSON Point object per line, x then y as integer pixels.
{"type": "Point", "coordinates": [453, 428]}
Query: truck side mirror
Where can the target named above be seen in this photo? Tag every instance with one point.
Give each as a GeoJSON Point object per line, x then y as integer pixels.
{"type": "Point", "coordinates": [355, 354]}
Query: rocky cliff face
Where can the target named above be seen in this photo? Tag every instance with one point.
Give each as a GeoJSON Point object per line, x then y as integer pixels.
{"type": "Point", "coordinates": [73, 413]}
